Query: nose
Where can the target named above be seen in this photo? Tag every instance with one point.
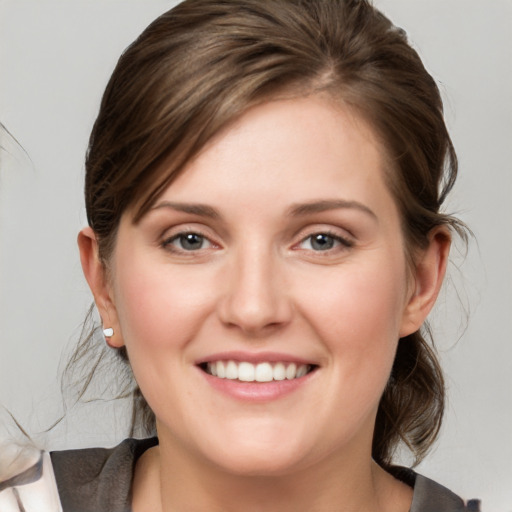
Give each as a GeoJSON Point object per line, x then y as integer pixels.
{"type": "Point", "coordinates": [256, 300]}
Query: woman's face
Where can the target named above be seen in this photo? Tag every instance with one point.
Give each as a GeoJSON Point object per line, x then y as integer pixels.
{"type": "Point", "coordinates": [262, 297]}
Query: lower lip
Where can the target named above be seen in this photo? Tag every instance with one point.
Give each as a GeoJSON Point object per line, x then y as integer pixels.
{"type": "Point", "coordinates": [257, 391]}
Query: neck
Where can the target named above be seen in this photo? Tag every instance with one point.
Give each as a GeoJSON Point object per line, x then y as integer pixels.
{"type": "Point", "coordinates": [179, 483]}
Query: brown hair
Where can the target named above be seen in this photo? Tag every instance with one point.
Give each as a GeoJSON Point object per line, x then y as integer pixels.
{"type": "Point", "coordinates": [202, 64]}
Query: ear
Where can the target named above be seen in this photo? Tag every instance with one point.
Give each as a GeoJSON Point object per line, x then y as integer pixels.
{"type": "Point", "coordinates": [96, 275]}
{"type": "Point", "coordinates": [428, 277]}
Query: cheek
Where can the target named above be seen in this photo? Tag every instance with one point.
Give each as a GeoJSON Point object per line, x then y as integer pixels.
{"type": "Point", "coordinates": [354, 300]}
{"type": "Point", "coordinates": [159, 306]}
{"type": "Point", "coordinates": [357, 313]}
{"type": "Point", "coordinates": [359, 323]}
{"type": "Point", "coordinates": [160, 311]}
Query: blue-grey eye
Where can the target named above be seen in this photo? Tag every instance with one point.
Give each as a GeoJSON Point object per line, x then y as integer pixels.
{"type": "Point", "coordinates": [190, 242]}
{"type": "Point", "coordinates": [321, 242]}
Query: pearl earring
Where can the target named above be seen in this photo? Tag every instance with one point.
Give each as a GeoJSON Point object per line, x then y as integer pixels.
{"type": "Point", "coordinates": [108, 332]}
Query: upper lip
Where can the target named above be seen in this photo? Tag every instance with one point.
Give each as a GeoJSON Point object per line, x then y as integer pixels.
{"type": "Point", "coordinates": [256, 357]}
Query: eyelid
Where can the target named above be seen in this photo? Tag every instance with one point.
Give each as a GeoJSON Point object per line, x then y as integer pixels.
{"type": "Point", "coordinates": [342, 235]}
{"type": "Point", "coordinates": [171, 241]}
{"type": "Point", "coordinates": [170, 234]}
{"type": "Point", "coordinates": [340, 244]}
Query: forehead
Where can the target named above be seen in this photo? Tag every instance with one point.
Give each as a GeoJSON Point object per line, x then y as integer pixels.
{"type": "Point", "coordinates": [293, 148]}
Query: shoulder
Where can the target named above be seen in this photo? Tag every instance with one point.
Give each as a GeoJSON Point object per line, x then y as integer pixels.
{"type": "Point", "coordinates": [429, 496]}
{"type": "Point", "coordinates": [98, 479]}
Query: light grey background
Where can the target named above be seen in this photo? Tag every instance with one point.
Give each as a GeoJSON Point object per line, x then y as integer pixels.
{"type": "Point", "coordinates": [55, 59]}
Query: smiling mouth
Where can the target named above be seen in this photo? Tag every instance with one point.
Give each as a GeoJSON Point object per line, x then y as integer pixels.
{"type": "Point", "coordinates": [260, 372]}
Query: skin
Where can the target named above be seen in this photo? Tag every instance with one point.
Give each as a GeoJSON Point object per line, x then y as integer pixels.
{"type": "Point", "coordinates": [256, 282]}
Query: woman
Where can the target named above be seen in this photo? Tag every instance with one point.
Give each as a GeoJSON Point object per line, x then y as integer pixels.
{"type": "Point", "coordinates": [263, 188]}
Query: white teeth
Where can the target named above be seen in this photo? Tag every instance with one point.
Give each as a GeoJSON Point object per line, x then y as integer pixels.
{"type": "Point", "coordinates": [279, 371]}
{"type": "Point", "coordinates": [291, 371]}
{"type": "Point", "coordinates": [246, 372]}
{"type": "Point", "coordinates": [264, 372]}
{"type": "Point", "coordinates": [231, 370]}
{"type": "Point", "coordinates": [221, 370]}
{"type": "Point", "coordinates": [261, 372]}
{"type": "Point", "coordinates": [301, 371]}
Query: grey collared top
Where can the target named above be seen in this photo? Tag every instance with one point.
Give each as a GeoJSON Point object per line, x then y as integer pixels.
{"type": "Point", "coordinates": [100, 480]}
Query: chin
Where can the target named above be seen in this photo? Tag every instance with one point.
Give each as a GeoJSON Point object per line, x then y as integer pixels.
{"type": "Point", "coordinates": [261, 465]}
{"type": "Point", "coordinates": [258, 457]}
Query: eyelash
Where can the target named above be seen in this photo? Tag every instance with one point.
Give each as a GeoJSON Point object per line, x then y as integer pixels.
{"type": "Point", "coordinates": [343, 243]}
{"type": "Point", "coordinates": [167, 243]}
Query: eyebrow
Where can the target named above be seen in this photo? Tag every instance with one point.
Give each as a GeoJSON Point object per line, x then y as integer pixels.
{"type": "Point", "coordinates": [297, 210]}
{"type": "Point", "coordinates": [329, 204]}
{"type": "Point", "coordinates": [202, 210]}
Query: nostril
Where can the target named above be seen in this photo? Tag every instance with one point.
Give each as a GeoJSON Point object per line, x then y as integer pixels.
{"type": "Point", "coordinates": [255, 304]}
